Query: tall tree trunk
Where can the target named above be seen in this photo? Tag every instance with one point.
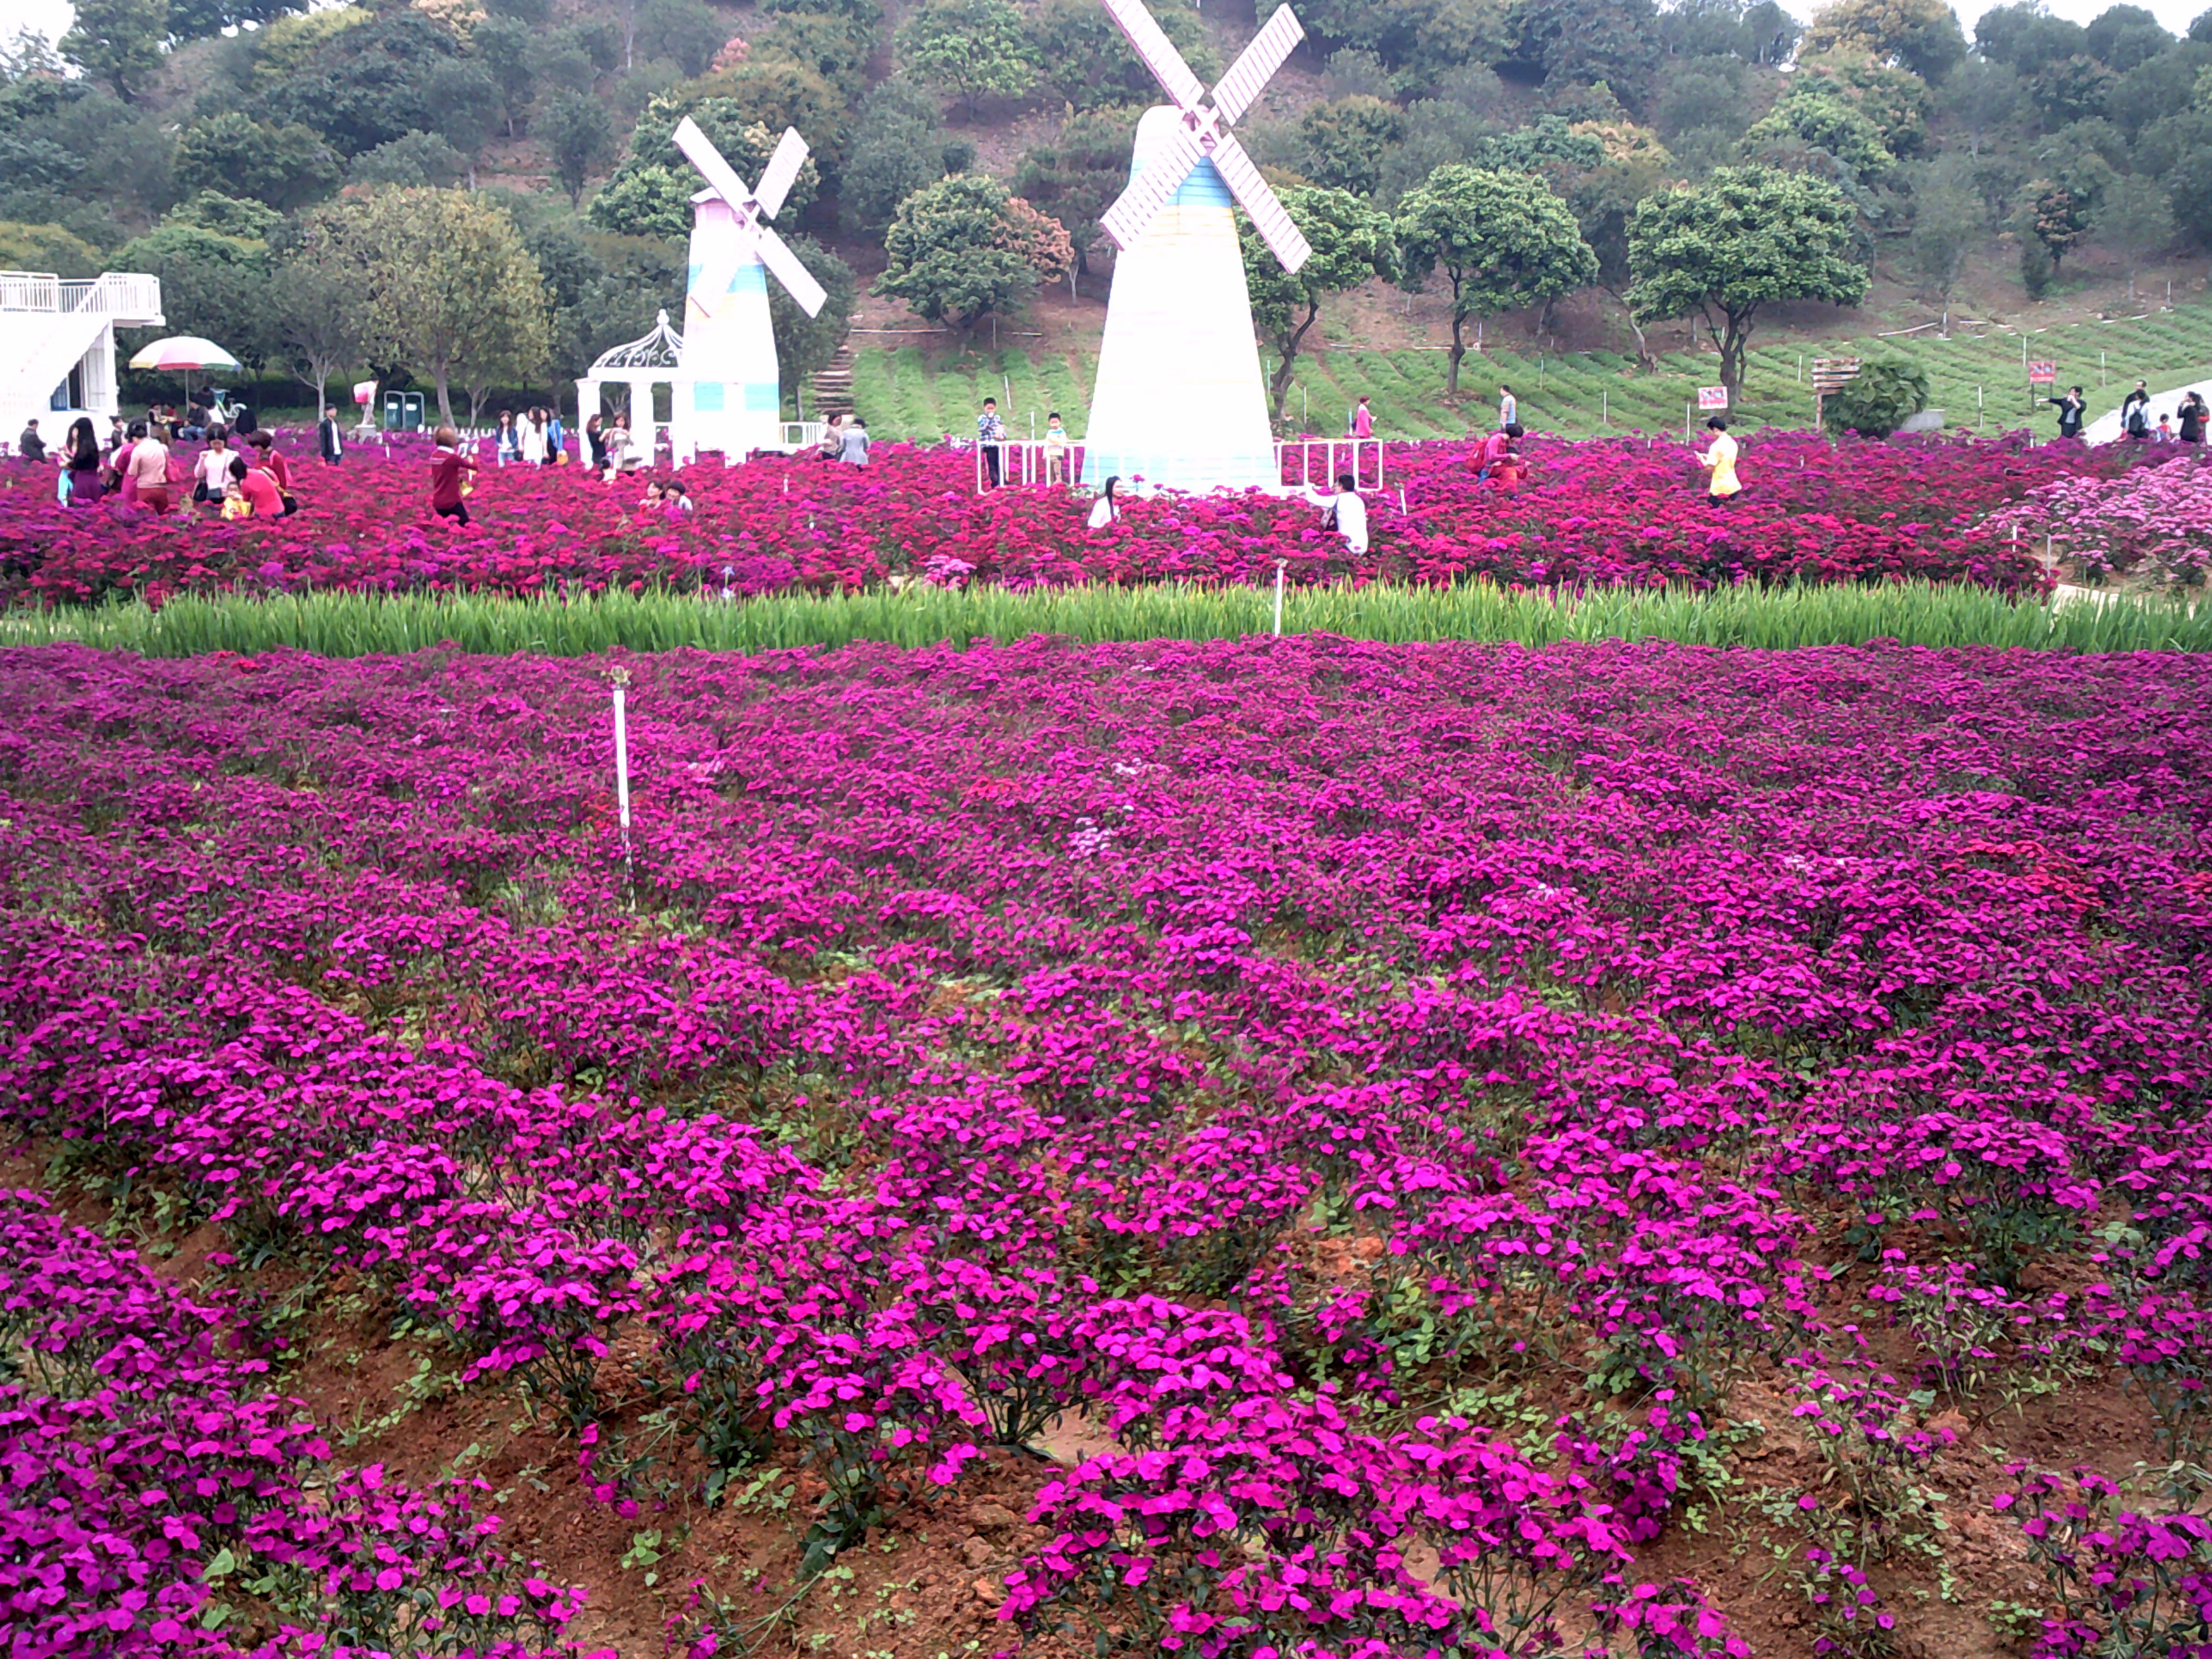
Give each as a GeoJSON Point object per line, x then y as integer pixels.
{"type": "Point", "coordinates": [1732, 346]}
{"type": "Point", "coordinates": [445, 397]}
{"type": "Point", "coordinates": [1644, 357]}
{"type": "Point", "coordinates": [1286, 350]}
{"type": "Point", "coordinates": [1458, 351]}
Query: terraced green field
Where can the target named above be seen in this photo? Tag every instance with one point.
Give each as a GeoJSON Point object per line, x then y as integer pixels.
{"type": "Point", "coordinates": [1976, 380]}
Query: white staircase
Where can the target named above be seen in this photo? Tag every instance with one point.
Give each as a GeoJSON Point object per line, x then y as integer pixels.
{"type": "Point", "coordinates": [48, 327]}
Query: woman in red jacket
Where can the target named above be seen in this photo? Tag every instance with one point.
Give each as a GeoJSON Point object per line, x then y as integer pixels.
{"type": "Point", "coordinates": [449, 470]}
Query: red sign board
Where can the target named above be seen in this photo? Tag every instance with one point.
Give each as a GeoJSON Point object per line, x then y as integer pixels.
{"type": "Point", "coordinates": [2042, 373]}
{"type": "Point", "coordinates": [1712, 396]}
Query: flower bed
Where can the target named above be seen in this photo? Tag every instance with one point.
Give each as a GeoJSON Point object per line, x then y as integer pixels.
{"type": "Point", "coordinates": [2152, 523]}
{"type": "Point", "coordinates": [1622, 511]}
{"type": "Point", "coordinates": [1287, 1055]}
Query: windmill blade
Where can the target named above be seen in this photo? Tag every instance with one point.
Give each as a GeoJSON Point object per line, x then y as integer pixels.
{"type": "Point", "coordinates": [782, 170]}
{"type": "Point", "coordinates": [1268, 215]}
{"type": "Point", "coordinates": [1240, 88]}
{"type": "Point", "coordinates": [797, 280]}
{"type": "Point", "coordinates": [1148, 192]}
{"type": "Point", "coordinates": [1158, 52]}
{"type": "Point", "coordinates": [700, 151]}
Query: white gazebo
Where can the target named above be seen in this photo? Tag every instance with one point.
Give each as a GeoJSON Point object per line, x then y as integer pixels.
{"type": "Point", "coordinates": [655, 361]}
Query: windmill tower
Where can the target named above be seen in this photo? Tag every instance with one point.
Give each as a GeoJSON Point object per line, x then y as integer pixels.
{"type": "Point", "coordinates": [1179, 400]}
{"type": "Point", "coordinates": [735, 395]}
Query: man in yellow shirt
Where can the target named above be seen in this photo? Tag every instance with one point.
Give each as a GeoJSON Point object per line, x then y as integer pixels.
{"type": "Point", "coordinates": [1720, 456]}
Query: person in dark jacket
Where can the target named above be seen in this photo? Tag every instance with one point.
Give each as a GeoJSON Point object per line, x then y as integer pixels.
{"type": "Point", "coordinates": [2191, 417]}
{"type": "Point", "coordinates": [31, 447]}
{"type": "Point", "coordinates": [328, 437]}
{"type": "Point", "coordinates": [2070, 409]}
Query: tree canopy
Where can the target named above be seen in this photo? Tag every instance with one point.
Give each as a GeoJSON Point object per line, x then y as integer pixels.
{"type": "Point", "coordinates": [1746, 237]}
{"type": "Point", "coordinates": [1502, 242]}
{"type": "Point", "coordinates": [1353, 243]}
{"type": "Point", "coordinates": [948, 255]}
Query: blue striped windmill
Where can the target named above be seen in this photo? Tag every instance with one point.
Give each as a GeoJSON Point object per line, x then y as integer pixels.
{"type": "Point", "coordinates": [1179, 400]}
{"type": "Point", "coordinates": [735, 395]}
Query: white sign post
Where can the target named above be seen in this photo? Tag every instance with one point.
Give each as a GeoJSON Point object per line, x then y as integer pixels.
{"type": "Point", "coordinates": [1281, 565]}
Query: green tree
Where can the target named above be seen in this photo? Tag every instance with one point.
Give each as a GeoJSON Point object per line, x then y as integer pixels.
{"type": "Point", "coordinates": [2124, 37]}
{"type": "Point", "coordinates": [1896, 100]}
{"type": "Point", "coordinates": [1881, 398]}
{"type": "Point", "coordinates": [367, 85]}
{"type": "Point", "coordinates": [507, 49]}
{"type": "Point", "coordinates": [47, 248]}
{"type": "Point", "coordinates": [687, 33]}
{"type": "Point", "coordinates": [1089, 65]}
{"type": "Point", "coordinates": [418, 158]}
{"type": "Point", "coordinates": [118, 43]}
{"type": "Point", "coordinates": [1353, 243]}
{"type": "Point", "coordinates": [1746, 237]}
{"type": "Point", "coordinates": [317, 308]}
{"type": "Point", "coordinates": [1503, 242]}
{"type": "Point", "coordinates": [1922, 35]}
{"type": "Point", "coordinates": [1604, 201]}
{"type": "Point", "coordinates": [1079, 175]}
{"type": "Point", "coordinates": [1571, 42]}
{"type": "Point", "coordinates": [2071, 89]}
{"type": "Point", "coordinates": [466, 107]}
{"type": "Point", "coordinates": [582, 139]}
{"type": "Point", "coordinates": [286, 167]}
{"type": "Point", "coordinates": [212, 285]}
{"type": "Point", "coordinates": [467, 302]}
{"type": "Point", "coordinates": [946, 255]}
{"type": "Point", "coordinates": [897, 149]}
{"type": "Point", "coordinates": [1346, 140]}
{"type": "Point", "coordinates": [247, 220]}
{"type": "Point", "coordinates": [197, 20]}
{"type": "Point", "coordinates": [1948, 224]}
{"type": "Point", "coordinates": [1828, 123]}
{"type": "Point", "coordinates": [2134, 219]}
{"type": "Point", "coordinates": [971, 48]}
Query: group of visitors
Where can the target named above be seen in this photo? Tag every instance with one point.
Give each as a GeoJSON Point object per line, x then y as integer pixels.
{"type": "Point", "coordinates": [250, 478]}
{"type": "Point", "coordinates": [845, 440]}
{"type": "Point", "coordinates": [537, 439]}
{"type": "Point", "coordinates": [2186, 424]}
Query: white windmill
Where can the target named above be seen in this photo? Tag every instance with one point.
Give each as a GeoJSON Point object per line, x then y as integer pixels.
{"type": "Point", "coordinates": [735, 394]}
{"type": "Point", "coordinates": [1179, 400]}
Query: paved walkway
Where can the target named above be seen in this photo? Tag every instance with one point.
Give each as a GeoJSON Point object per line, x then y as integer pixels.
{"type": "Point", "coordinates": [2106, 429]}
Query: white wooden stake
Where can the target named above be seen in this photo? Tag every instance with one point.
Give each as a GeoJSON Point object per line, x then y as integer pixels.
{"type": "Point", "coordinates": [621, 678]}
{"type": "Point", "coordinates": [1281, 565]}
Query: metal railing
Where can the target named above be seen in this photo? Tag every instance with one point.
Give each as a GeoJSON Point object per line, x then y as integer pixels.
{"type": "Point", "coordinates": [119, 293]}
{"type": "Point", "coordinates": [1360, 457]}
{"type": "Point", "coordinates": [1311, 462]}
{"type": "Point", "coordinates": [1028, 462]}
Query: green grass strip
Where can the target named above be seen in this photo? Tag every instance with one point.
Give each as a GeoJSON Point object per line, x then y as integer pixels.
{"type": "Point", "coordinates": [340, 624]}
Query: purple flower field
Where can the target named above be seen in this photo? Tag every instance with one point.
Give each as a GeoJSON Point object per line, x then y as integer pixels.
{"type": "Point", "coordinates": [1349, 1150]}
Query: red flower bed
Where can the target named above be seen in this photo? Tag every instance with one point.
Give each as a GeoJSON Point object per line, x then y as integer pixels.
{"type": "Point", "coordinates": [1619, 511]}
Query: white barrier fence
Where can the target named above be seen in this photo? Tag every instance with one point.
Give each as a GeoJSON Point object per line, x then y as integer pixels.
{"type": "Point", "coordinates": [1306, 462]}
